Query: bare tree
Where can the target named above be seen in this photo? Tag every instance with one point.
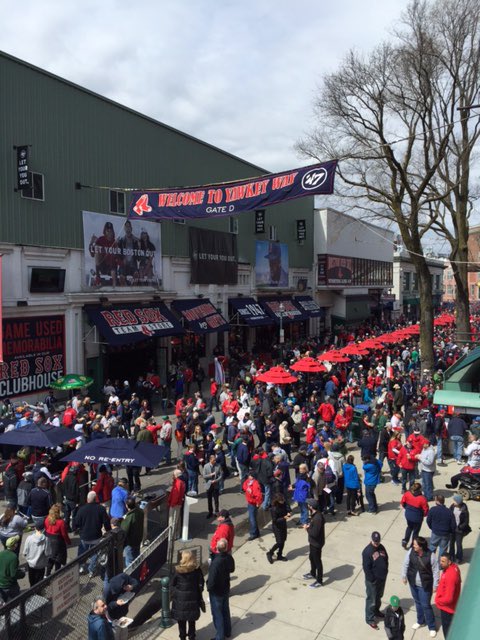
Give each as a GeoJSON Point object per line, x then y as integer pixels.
{"type": "Point", "coordinates": [383, 117]}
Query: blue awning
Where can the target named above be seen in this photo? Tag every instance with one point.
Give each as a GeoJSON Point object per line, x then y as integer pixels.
{"type": "Point", "coordinates": [311, 308]}
{"type": "Point", "coordinates": [129, 323]}
{"type": "Point", "coordinates": [251, 311]}
{"type": "Point", "coordinates": [291, 311]}
{"type": "Point", "coordinates": [200, 315]}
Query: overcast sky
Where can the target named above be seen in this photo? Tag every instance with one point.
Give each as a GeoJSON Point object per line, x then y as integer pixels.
{"type": "Point", "coordinates": [240, 75]}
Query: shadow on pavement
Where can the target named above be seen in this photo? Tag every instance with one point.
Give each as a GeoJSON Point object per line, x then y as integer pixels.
{"type": "Point", "coordinates": [341, 572]}
{"type": "Point", "coordinates": [249, 584]}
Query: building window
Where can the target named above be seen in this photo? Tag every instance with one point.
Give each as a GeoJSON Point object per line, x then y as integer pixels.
{"type": "Point", "coordinates": [437, 283]}
{"type": "Point", "coordinates": [37, 191]}
{"type": "Point", "coordinates": [117, 202]}
{"type": "Point", "coordinates": [472, 291]}
{"type": "Point", "coordinates": [414, 282]}
{"type": "Point", "coordinates": [272, 233]}
{"type": "Point", "coordinates": [406, 280]}
{"type": "Point", "coordinates": [178, 220]}
{"type": "Point", "coordinates": [233, 224]}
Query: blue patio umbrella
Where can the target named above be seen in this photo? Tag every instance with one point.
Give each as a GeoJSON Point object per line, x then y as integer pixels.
{"type": "Point", "coordinates": [33, 435]}
{"type": "Point", "coordinates": [118, 451]}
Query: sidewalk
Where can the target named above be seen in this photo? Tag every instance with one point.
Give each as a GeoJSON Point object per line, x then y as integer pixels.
{"type": "Point", "coordinates": [274, 601]}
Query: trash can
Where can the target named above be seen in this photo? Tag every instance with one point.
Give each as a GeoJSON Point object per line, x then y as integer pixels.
{"type": "Point", "coordinates": [358, 413]}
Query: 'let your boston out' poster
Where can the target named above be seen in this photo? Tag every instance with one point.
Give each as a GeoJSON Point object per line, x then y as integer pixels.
{"type": "Point", "coordinates": [33, 354]}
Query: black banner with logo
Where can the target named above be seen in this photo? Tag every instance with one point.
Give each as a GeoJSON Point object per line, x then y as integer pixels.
{"type": "Point", "coordinates": [33, 354]}
{"type": "Point", "coordinates": [301, 230]}
{"type": "Point", "coordinates": [260, 221]}
{"type": "Point", "coordinates": [213, 257]}
{"type": "Point", "coordinates": [24, 176]}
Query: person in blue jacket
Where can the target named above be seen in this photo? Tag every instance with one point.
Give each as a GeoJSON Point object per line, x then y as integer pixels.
{"type": "Point", "coordinates": [301, 493]}
{"type": "Point", "coordinates": [372, 468]}
{"type": "Point", "coordinates": [99, 627]}
{"type": "Point", "coordinates": [352, 484]}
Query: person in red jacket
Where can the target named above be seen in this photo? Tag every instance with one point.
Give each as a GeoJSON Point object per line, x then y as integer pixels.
{"type": "Point", "coordinates": [176, 498]}
{"type": "Point", "coordinates": [311, 432]}
{"type": "Point", "coordinates": [406, 461]}
{"type": "Point", "coordinates": [254, 497]}
{"type": "Point", "coordinates": [69, 415]}
{"type": "Point", "coordinates": [104, 485]}
{"type": "Point", "coordinates": [448, 591]}
{"type": "Point", "coordinates": [417, 440]}
{"type": "Point", "coordinates": [56, 532]}
{"type": "Point", "coordinates": [327, 412]}
{"type": "Point", "coordinates": [416, 508]}
{"type": "Point", "coordinates": [394, 446]}
{"type": "Point", "coordinates": [225, 529]}
{"type": "Point", "coordinates": [340, 423]}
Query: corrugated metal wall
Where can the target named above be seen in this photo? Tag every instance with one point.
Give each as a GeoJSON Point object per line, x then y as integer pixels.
{"type": "Point", "coordinates": [78, 136]}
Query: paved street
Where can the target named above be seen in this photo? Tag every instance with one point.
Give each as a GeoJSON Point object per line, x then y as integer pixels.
{"type": "Point", "coordinates": [275, 601]}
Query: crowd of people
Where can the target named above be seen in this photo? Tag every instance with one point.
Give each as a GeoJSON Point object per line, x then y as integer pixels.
{"type": "Point", "coordinates": [300, 448]}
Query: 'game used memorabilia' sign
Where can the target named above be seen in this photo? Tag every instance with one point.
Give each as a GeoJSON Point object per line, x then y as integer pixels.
{"type": "Point", "coordinates": [33, 354]}
{"type": "Point", "coordinates": [226, 199]}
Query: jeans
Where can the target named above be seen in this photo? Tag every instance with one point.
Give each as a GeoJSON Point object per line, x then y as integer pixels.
{"type": "Point", "coordinates": [393, 470]}
{"type": "Point", "coordinates": [129, 554]}
{"type": "Point", "coordinates": [457, 447]}
{"type": "Point", "coordinates": [374, 599]}
{"type": "Point", "coordinates": [439, 450]}
{"type": "Point", "coordinates": [424, 608]}
{"type": "Point", "coordinates": [456, 547]}
{"type": "Point", "coordinates": [413, 529]}
{"type": "Point", "coordinates": [446, 619]}
{"type": "Point", "coordinates": [303, 512]}
{"type": "Point", "coordinates": [92, 561]}
{"type": "Point", "coordinates": [441, 542]}
{"type": "Point", "coordinates": [407, 474]}
{"type": "Point", "coordinates": [168, 450]}
{"type": "Point", "coordinates": [267, 496]}
{"type": "Point", "coordinates": [252, 518]}
{"type": "Point", "coordinates": [10, 593]}
{"type": "Point", "coordinates": [192, 481]}
{"type": "Point", "coordinates": [371, 498]}
{"type": "Point", "coordinates": [427, 482]}
{"type": "Point", "coordinates": [69, 508]}
{"type": "Point", "coordinates": [221, 615]}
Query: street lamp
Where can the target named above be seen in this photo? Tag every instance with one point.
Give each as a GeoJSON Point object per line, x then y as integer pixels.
{"type": "Point", "coordinates": [281, 311]}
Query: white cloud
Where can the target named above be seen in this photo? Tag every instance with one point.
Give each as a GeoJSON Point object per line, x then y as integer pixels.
{"type": "Point", "coordinates": [240, 75]}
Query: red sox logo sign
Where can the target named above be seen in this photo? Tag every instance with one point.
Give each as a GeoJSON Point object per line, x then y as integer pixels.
{"type": "Point", "coordinates": [146, 330]}
{"type": "Point", "coordinates": [142, 206]}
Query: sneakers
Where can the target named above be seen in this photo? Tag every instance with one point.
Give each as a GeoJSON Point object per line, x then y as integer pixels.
{"type": "Point", "coordinates": [418, 625]}
{"type": "Point", "coordinates": [449, 486]}
{"type": "Point", "coordinates": [315, 585]}
{"type": "Point", "coordinates": [269, 557]}
{"type": "Point", "coordinates": [433, 633]}
{"type": "Point", "coordinates": [404, 544]}
{"type": "Point", "coordinates": [374, 625]}
{"type": "Point", "coordinates": [282, 558]}
{"type": "Point", "coordinates": [307, 576]}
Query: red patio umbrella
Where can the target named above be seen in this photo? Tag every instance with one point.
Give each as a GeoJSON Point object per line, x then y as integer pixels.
{"type": "Point", "coordinates": [308, 365]}
{"type": "Point", "coordinates": [276, 375]}
{"type": "Point", "coordinates": [354, 350]}
{"type": "Point", "coordinates": [371, 343]}
{"type": "Point", "coordinates": [333, 356]}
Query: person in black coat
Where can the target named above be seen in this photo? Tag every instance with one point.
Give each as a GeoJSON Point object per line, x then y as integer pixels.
{"type": "Point", "coordinates": [316, 540]}
{"type": "Point", "coordinates": [394, 620]}
{"type": "Point", "coordinates": [280, 515]}
{"type": "Point", "coordinates": [117, 586]}
{"type": "Point", "coordinates": [186, 591]}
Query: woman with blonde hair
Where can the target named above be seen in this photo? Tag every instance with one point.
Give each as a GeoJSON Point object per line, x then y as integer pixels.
{"type": "Point", "coordinates": [186, 589]}
{"type": "Point", "coordinates": [56, 532]}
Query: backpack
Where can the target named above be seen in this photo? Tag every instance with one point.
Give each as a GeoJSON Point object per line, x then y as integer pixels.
{"type": "Point", "coordinates": [329, 476]}
{"type": "Point", "coordinates": [10, 482]}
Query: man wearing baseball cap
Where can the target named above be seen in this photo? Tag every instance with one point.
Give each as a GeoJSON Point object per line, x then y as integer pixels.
{"type": "Point", "coordinates": [9, 571]}
{"type": "Point", "coordinates": [375, 567]}
{"type": "Point", "coordinates": [225, 529]}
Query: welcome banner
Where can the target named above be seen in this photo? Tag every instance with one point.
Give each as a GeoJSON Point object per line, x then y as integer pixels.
{"type": "Point", "coordinates": [226, 199]}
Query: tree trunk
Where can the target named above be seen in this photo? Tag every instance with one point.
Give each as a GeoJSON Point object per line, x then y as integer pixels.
{"type": "Point", "coordinates": [426, 314]}
{"type": "Point", "coordinates": [462, 303]}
